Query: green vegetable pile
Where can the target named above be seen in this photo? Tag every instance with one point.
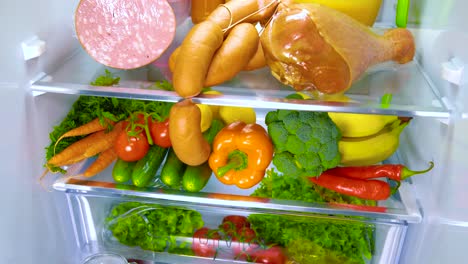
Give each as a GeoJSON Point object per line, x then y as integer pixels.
{"type": "Point", "coordinates": [306, 143]}
{"type": "Point", "coordinates": [87, 108]}
{"type": "Point", "coordinates": [312, 240]}
{"type": "Point", "coordinates": [106, 79]}
{"type": "Point", "coordinates": [324, 240]}
{"type": "Point", "coordinates": [277, 186]}
{"type": "Point", "coordinates": [153, 227]}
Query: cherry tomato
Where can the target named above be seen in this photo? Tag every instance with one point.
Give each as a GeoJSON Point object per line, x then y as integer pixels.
{"type": "Point", "coordinates": [205, 243]}
{"type": "Point", "coordinates": [160, 133]}
{"type": "Point", "coordinates": [272, 255]}
{"type": "Point", "coordinates": [244, 244]}
{"type": "Point", "coordinates": [232, 224]}
{"type": "Point", "coordinates": [131, 148]}
{"type": "Point", "coordinates": [235, 222]}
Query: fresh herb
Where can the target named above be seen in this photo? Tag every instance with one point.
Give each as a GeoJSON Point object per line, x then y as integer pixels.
{"type": "Point", "coordinates": [162, 85]}
{"type": "Point", "coordinates": [307, 252]}
{"type": "Point", "coordinates": [108, 79]}
{"type": "Point", "coordinates": [328, 241]}
{"type": "Point", "coordinates": [278, 186]}
{"type": "Point", "coordinates": [153, 227]}
{"type": "Point", "coordinates": [343, 239]}
{"type": "Point", "coordinates": [86, 108]}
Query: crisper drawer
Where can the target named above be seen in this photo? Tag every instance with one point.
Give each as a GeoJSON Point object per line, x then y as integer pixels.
{"type": "Point", "coordinates": [163, 231]}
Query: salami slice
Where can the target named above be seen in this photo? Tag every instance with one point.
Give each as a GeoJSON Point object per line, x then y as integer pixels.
{"type": "Point", "coordinates": [125, 34]}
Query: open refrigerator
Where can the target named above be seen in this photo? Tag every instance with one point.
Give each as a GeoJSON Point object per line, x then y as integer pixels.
{"type": "Point", "coordinates": [426, 221]}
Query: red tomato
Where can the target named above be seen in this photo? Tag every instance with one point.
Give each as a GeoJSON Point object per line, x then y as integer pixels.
{"type": "Point", "coordinates": [160, 133]}
{"type": "Point", "coordinates": [272, 255]}
{"type": "Point", "coordinates": [131, 148]}
{"type": "Point", "coordinates": [246, 234]}
{"type": "Point", "coordinates": [205, 243]}
{"type": "Point", "coordinates": [244, 244]}
{"type": "Point", "coordinates": [140, 118]}
{"type": "Point", "coordinates": [234, 222]}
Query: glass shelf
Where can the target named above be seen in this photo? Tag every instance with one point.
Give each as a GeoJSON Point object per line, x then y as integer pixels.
{"type": "Point", "coordinates": [413, 93]}
{"type": "Point", "coordinates": [400, 207]}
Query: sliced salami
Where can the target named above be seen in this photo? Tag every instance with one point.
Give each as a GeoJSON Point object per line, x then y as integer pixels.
{"type": "Point", "coordinates": [125, 34]}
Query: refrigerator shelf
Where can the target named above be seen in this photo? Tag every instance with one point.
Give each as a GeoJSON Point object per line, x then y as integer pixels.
{"type": "Point", "coordinates": [399, 208]}
{"type": "Point", "coordinates": [393, 210]}
{"type": "Point", "coordinates": [412, 91]}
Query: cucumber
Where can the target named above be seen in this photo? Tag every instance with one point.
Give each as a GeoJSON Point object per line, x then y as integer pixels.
{"type": "Point", "coordinates": [196, 177]}
{"type": "Point", "coordinates": [145, 169]}
{"type": "Point", "coordinates": [122, 171]}
{"type": "Point", "coordinates": [210, 134]}
{"type": "Point", "coordinates": [172, 170]}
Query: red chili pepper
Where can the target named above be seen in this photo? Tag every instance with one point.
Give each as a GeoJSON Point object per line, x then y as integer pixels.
{"type": "Point", "coordinates": [365, 189]}
{"type": "Point", "coordinates": [396, 172]}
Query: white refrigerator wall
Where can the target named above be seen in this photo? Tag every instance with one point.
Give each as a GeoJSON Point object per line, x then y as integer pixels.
{"type": "Point", "coordinates": [33, 229]}
{"type": "Point", "coordinates": [442, 41]}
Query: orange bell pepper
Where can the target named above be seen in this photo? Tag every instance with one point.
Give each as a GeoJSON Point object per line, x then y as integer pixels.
{"type": "Point", "coordinates": [241, 154]}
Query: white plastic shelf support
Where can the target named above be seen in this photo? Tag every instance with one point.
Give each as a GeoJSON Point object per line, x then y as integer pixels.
{"type": "Point", "coordinates": [33, 48]}
{"type": "Point", "coordinates": [455, 71]}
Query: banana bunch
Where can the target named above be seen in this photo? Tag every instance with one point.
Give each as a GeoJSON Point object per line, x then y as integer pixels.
{"type": "Point", "coordinates": [367, 139]}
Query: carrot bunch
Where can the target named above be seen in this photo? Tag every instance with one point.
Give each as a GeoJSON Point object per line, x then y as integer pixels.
{"type": "Point", "coordinates": [99, 140]}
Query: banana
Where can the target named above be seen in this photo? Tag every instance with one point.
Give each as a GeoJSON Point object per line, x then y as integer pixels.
{"type": "Point", "coordinates": [214, 108]}
{"type": "Point", "coordinates": [360, 125]}
{"type": "Point", "coordinates": [373, 149]}
{"type": "Point", "coordinates": [231, 114]}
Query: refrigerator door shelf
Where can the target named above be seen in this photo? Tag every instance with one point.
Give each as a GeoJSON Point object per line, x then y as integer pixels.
{"type": "Point", "coordinates": [101, 219]}
{"type": "Point", "coordinates": [413, 93]}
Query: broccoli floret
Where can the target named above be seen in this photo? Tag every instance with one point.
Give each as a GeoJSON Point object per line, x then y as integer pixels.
{"type": "Point", "coordinates": [283, 114]}
{"type": "Point", "coordinates": [285, 161]}
{"type": "Point", "coordinates": [328, 156]}
{"type": "Point", "coordinates": [305, 133]}
{"type": "Point", "coordinates": [306, 143]}
{"type": "Point", "coordinates": [292, 123]}
{"type": "Point", "coordinates": [313, 146]}
{"type": "Point", "coordinates": [308, 117]}
{"type": "Point", "coordinates": [278, 135]}
{"type": "Point", "coordinates": [335, 132]}
{"type": "Point", "coordinates": [271, 117]}
{"type": "Point", "coordinates": [295, 145]}
{"type": "Point", "coordinates": [309, 161]}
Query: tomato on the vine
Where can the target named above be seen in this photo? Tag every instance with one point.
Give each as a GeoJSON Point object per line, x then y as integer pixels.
{"type": "Point", "coordinates": [232, 224]}
{"type": "Point", "coordinates": [205, 242]}
{"type": "Point", "coordinates": [271, 255]}
{"type": "Point", "coordinates": [235, 221]}
{"type": "Point", "coordinates": [131, 148]}
{"type": "Point", "coordinates": [160, 133]}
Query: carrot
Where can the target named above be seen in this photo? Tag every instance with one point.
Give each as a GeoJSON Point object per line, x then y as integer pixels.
{"type": "Point", "coordinates": [86, 129]}
{"type": "Point", "coordinates": [257, 61]}
{"type": "Point", "coordinates": [233, 55]}
{"type": "Point", "coordinates": [196, 52]}
{"type": "Point", "coordinates": [86, 147]}
{"type": "Point", "coordinates": [104, 159]}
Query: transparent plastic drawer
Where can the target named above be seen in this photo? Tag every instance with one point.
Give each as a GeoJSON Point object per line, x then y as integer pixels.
{"type": "Point", "coordinates": [161, 231]}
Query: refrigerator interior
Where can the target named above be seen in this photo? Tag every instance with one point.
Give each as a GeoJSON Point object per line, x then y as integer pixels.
{"type": "Point", "coordinates": [39, 221]}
